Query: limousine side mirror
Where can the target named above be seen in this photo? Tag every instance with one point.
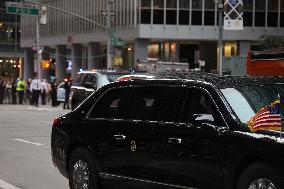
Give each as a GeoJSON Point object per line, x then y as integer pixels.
{"type": "Point", "coordinates": [203, 118]}
{"type": "Point", "coordinates": [90, 85]}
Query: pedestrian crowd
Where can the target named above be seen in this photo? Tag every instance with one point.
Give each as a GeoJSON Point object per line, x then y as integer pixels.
{"type": "Point", "coordinates": [32, 91]}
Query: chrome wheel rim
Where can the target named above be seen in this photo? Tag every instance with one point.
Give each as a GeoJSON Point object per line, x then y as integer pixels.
{"type": "Point", "coordinates": [80, 175]}
{"type": "Point", "coordinates": [262, 183]}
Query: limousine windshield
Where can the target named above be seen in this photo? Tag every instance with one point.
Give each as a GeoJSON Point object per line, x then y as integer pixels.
{"type": "Point", "coordinates": [247, 101]}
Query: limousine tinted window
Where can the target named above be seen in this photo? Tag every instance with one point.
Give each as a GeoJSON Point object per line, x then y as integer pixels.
{"type": "Point", "coordinates": [172, 102]}
{"type": "Point", "coordinates": [248, 100]}
{"type": "Point", "coordinates": [144, 103]}
{"type": "Point", "coordinates": [111, 105]}
{"type": "Point", "coordinates": [198, 102]}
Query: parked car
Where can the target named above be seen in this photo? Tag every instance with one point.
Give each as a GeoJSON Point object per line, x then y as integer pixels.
{"type": "Point", "coordinates": [190, 132]}
{"type": "Point", "coordinates": [86, 82]}
{"type": "Point", "coordinates": [60, 93]}
{"type": "Point", "coordinates": [135, 77]}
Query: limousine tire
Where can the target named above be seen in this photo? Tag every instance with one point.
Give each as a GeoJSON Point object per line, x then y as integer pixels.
{"type": "Point", "coordinates": [82, 170]}
{"type": "Point", "coordinates": [259, 176]}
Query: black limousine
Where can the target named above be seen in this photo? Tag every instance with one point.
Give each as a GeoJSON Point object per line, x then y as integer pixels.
{"type": "Point", "coordinates": [188, 131]}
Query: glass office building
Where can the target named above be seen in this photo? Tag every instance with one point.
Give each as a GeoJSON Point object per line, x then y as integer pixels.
{"type": "Point", "coordinates": [169, 30]}
{"type": "Point", "coordinates": [10, 52]}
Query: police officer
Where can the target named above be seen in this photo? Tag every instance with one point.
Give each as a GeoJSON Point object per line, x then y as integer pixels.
{"type": "Point", "coordinates": [35, 89]}
{"type": "Point", "coordinates": [67, 87]}
{"type": "Point", "coordinates": [20, 89]}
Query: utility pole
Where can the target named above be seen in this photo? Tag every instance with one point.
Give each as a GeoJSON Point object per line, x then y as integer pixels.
{"type": "Point", "coordinates": [38, 49]}
{"type": "Point", "coordinates": [108, 25]}
{"type": "Point", "coordinates": [220, 8]}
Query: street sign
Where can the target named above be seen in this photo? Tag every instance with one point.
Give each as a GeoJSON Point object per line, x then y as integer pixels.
{"type": "Point", "coordinates": [119, 42]}
{"type": "Point", "coordinates": [233, 2]}
{"type": "Point", "coordinates": [22, 10]}
{"type": "Point", "coordinates": [233, 15]}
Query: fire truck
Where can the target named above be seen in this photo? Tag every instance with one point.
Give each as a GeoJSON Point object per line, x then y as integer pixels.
{"type": "Point", "coordinates": [266, 63]}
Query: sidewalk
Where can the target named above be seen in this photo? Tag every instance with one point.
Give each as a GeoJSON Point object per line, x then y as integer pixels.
{"type": "Point", "coordinates": [47, 108]}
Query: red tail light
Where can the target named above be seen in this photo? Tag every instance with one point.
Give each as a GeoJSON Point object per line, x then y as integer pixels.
{"type": "Point", "coordinates": [57, 122]}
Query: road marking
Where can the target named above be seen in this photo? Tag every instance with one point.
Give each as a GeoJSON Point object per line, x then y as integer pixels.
{"type": "Point", "coordinates": [6, 185]}
{"type": "Point", "coordinates": [28, 142]}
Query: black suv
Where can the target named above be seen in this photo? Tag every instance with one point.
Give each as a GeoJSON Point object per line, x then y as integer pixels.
{"type": "Point", "coordinates": [182, 132]}
{"type": "Point", "coordinates": [86, 82]}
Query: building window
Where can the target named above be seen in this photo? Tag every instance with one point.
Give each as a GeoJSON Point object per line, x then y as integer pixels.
{"type": "Point", "coordinates": [171, 16]}
{"type": "Point", "coordinates": [184, 4]}
{"type": "Point", "coordinates": [248, 12]}
{"type": "Point", "coordinates": [282, 13]}
{"type": "Point", "coordinates": [158, 4]}
{"type": "Point", "coordinates": [209, 13]}
{"type": "Point", "coordinates": [168, 51]}
{"type": "Point", "coordinates": [158, 17]}
{"type": "Point", "coordinates": [230, 49]}
{"type": "Point", "coordinates": [272, 15]}
{"type": "Point", "coordinates": [196, 12]}
{"type": "Point", "coordinates": [260, 13]}
{"type": "Point", "coordinates": [183, 12]}
{"type": "Point", "coordinates": [145, 11]}
{"type": "Point", "coordinates": [184, 17]}
{"type": "Point", "coordinates": [197, 4]}
{"type": "Point", "coordinates": [196, 17]}
{"type": "Point", "coordinates": [145, 4]}
{"type": "Point", "coordinates": [154, 50]}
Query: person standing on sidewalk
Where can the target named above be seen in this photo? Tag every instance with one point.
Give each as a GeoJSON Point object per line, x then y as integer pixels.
{"type": "Point", "coordinates": [2, 90]}
{"type": "Point", "coordinates": [21, 89]}
{"type": "Point", "coordinates": [14, 91]}
{"type": "Point", "coordinates": [35, 89]}
{"type": "Point", "coordinates": [67, 87]}
{"type": "Point", "coordinates": [44, 91]}
{"type": "Point", "coordinates": [53, 93]}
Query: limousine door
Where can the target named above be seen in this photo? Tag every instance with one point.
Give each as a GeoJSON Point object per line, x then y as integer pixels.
{"type": "Point", "coordinates": [140, 121]}
{"type": "Point", "coordinates": [124, 157]}
{"type": "Point", "coordinates": [187, 154]}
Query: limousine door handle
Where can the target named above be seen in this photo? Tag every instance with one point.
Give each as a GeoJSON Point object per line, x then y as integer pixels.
{"type": "Point", "coordinates": [175, 140]}
{"type": "Point", "coordinates": [119, 137]}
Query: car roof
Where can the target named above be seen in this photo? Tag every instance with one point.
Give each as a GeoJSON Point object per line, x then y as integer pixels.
{"type": "Point", "coordinates": [135, 76]}
{"type": "Point", "coordinates": [225, 81]}
{"type": "Point", "coordinates": [106, 72]}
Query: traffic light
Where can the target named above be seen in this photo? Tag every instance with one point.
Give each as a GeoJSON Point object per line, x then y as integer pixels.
{"type": "Point", "coordinates": [45, 64]}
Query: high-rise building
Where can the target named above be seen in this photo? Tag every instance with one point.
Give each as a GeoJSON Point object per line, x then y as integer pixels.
{"type": "Point", "coordinates": [10, 53]}
{"type": "Point", "coordinates": [169, 30]}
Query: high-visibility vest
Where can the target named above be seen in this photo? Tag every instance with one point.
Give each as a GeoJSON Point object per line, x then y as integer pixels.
{"type": "Point", "coordinates": [20, 86]}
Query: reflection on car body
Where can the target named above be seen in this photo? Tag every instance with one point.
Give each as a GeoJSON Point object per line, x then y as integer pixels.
{"type": "Point", "coordinates": [135, 77]}
{"type": "Point", "coordinates": [184, 132]}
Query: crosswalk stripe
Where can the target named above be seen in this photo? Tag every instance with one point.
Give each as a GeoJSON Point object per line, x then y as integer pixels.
{"type": "Point", "coordinates": [6, 185]}
{"type": "Point", "coordinates": [28, 142]}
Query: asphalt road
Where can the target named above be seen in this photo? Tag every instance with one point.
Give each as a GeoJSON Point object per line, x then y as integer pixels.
{"type": "Point", "coordinates": [25, 154]}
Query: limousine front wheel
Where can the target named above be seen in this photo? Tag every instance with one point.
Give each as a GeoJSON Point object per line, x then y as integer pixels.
{"type": "Point", "coordinates": [259, 176]}
{"type": "Point", "coordinates": [82, 173]}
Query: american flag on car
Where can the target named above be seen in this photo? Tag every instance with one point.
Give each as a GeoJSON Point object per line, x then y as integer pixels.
{"type": "Point", "coordinates": [267, 118]}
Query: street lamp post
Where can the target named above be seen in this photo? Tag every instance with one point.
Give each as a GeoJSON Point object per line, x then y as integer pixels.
{"type": "Point", "coordinates": [38, 49]}
{"type": "Point", "coordinates": [220, 8]}
{"type": "Point", "coordinates": [108, 25]}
